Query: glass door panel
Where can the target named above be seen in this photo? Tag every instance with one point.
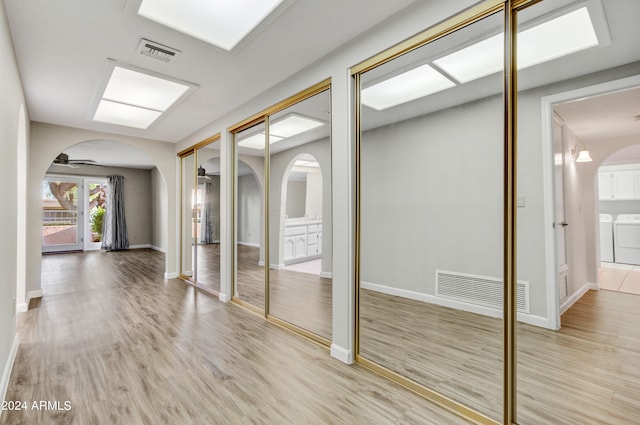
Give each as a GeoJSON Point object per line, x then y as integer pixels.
{"type": "Point", "coordinates": [96, 196]}
{"type": "Point", "coordinates": [60, 216]}
{"type": "Point", "coordinates": [249, 219]}
{"type": "Point", "coordinates": [188, 214]}
{"type": "Point", "coordinates": [208, 219]}
{"type": "Point", "coordinates": [431, 217]}
{"type": "Point", "coordinates": [300, 285]}
{"type": "Point", "coordinates": [577, 346]}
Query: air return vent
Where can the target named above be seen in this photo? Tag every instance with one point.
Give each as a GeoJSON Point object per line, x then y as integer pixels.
{"type": "Point", "coordinates": [478, 290]}
{"type": "Point", "coordinates": [157, 50]}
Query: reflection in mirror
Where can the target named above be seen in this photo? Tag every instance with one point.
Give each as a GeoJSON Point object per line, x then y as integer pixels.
{"type": "Point", "coordinates": [431, 218]}
{"type": "Point", "coordinates": [208, 217]}
{"type": "Point", "coordinates": [299, 215]}
{"type": "Point", "coordinates": [578, 361]}
{"type": "Point", "coordinates": [250, 248]}
{"type": "Point", "coordinates": [188, 243]}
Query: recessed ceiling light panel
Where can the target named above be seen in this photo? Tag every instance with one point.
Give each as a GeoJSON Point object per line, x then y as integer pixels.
{"type": "Point", "coordinates": [144, 90]}
{"type": "Point", "coordinates": [126, 115]}
{"type": "Point", "coordinates": [413, 84]}
{"type": "Point", "coordinates": [223, 23]}
{"type": "Point", "coordinates": [292, 125]}
{"type": "Point", "coordinates": [257, 141]}
{"type": "Point", "coordinates": [552, 39]}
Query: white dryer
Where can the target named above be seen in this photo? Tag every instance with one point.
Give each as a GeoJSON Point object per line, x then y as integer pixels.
{"type": "Point", "coordinates": [606, 238]}
{"type": "Point", "coordinates": [626, 237]}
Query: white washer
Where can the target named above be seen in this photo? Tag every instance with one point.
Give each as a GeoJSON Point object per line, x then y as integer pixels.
{"type": "Point", "coordinates": [606, 238]}
{"type": "Point", "coordinates": [626, 237]}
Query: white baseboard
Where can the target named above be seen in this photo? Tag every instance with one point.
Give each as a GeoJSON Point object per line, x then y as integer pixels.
{"type": "Point", "coordinates": [157, 248]}
{"type": "Point", "coordinates": [4, 383]}
{"type": "Point", "coordinates": [224, 297]}
{"type": "Point", "coordinates": [328, 275]}
{"type": "Point", "coordinates": [171, 275]}
{"type": "Point", "coordinates": [261, 263]}
{"type": "Point", "coordinates": [458, 305]}
{"type": "Point", "coordinates": [277, 266]}
{"type": "Point", "coordinates": [342, 354]}
{"type": "Point", "coordinates": [253, 244]}
{"type": "Point", "coordinates": [571, 300]}
{"type": "Point", "coordinates": [21, 308]}
{"type": "Point", "coordinates": [33, 294]}
{"type": "Point", "coordinates": [146, 245]}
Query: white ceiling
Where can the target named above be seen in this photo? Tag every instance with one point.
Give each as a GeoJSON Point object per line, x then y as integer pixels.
{"type": "Point", "coordinates": [62, 48]}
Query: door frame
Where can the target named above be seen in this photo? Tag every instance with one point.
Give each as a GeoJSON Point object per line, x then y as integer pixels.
{"type": "Point", "coordinates": [554, 308]}
{"type": "Point", "coordinates": [80, 216]}
{"type": "Point", "coordinates": [89, 245]}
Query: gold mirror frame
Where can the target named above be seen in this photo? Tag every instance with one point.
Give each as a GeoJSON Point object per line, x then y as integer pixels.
{"type": "Point", "coordinates": [191, 150]}
{"type": "Point", "coordinates": [259, 118]}
{"type": "Point", "coordinates": [474, 14]}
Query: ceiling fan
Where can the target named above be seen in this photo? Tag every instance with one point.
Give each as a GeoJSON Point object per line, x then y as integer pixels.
{"type": "Point", "coordinates": [63, 160]}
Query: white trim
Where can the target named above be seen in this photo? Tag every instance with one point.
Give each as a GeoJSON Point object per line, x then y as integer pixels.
{"type": "Point", "coordinates": [547, 103]}
{"type": "Point", "coordinates": [224, 297]}
{"type": "Point", "coordinates": [6, 375]}
{"type": "Point", "coordinates": [261, 263]}
{"type": "Point", "coordinates": [34, 294]}
{"type": "Point", "coordinates": [171, 275]}
{"type": "Point", "coordinates": [571, 300]}
{"type": "Point", "coordinates": [141, 246]}
{"type": "Point", "coordinates": [253, 244]}
{"type": "Point", "coordinates": [458, 305]}
{"type": "Point", "coordinates": [22, 307]}
{"type": "Point", "coordinates": [342, 354]}
{"type": "Point", "coordinates": [277, 266]}
{"type": "Point", "coordinates": [157, 248]}
{"type": "Point", "coordinates": [327, 275]}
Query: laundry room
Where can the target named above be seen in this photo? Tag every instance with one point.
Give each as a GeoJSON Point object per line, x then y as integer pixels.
{"type": "Point", "coordinates": [619, 204]}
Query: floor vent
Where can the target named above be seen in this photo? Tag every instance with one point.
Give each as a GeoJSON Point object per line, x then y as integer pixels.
{"type": "Point", "coordinates": [479, 290]}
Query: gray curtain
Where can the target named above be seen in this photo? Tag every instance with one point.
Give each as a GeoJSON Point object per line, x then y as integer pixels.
{"type": "Point", "coordinates": [206, 213]}
{"type": "Point", "coordinates": [114, 227]}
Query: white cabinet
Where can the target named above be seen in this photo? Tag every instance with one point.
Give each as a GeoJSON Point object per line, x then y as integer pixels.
{"type": "Point", "coordinates": [619, 182]}
{"type": "Point", "coordinates": [302, 241]}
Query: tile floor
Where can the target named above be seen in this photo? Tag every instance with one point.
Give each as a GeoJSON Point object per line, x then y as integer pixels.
{"type": "Point", "coordinates": [619, 277]}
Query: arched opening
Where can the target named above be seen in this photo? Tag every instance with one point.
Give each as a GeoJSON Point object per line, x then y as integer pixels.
{"type": "Point", "coordinates": [618, 230]}
{"type": "Point", "coordinates": [301, 215]}
{"type": "Point", "coordinates": [75, 195]}
{"type": "Point", "coordinates": [153, 231]}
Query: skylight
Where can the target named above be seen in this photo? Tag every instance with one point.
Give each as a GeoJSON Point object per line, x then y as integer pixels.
{"type": "Point", "coordinates": [223, 23]}
{"type": "Point", "coordinates": [561, 36]}
{"type": "Point", "coordinates": [552, 39]}
{"type": "Point", "coordinates": [413, 84]}
{"type": "Point", "coordinates": [288, 126]}
{"type": "Point", "coordinates": [257, 141]}
{"type": "Point", "coordinates": [135, 99]}
{"type": "Point", "coordinates": [292, 125]}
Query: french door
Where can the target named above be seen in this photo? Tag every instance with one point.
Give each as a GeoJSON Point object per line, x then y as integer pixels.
{"type": "Point", "coordinates": [72, 211]}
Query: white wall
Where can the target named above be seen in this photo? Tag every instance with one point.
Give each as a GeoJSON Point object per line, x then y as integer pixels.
{"type": "Point", "coordinates": [47, 141]}
{"type": "Point", "coordinates": [11, 161]}
{"type": "Point", "coordinates": [159, 203]}
{"type": "Point", "coordinates": [433, 198]}
{"type": "Point", "coordinates": [296, 198]}
{"type": "Point", "coordinates": [314, 198]}
{"type": "Point", "coordinates": [249, 210]}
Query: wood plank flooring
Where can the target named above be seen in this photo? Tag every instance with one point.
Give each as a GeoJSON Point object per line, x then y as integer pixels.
{"type": "Point", "coordinates": [587, 373]}
{"type": "Point", "coordinates": [125, 346]}
{"type": "Point", "coordinates": [302, 299]}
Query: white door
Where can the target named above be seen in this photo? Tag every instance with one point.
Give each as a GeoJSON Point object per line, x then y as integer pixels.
{"type": "Point", "coordinates": [62, 209]}
{"type": "Point", "coordinates": [560, 223]}
{"type": "Point", "coordinates": [95, 195]}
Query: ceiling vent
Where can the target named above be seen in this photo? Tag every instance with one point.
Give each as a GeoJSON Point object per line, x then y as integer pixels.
{"type": "Point", "coordinates": [158, 51]}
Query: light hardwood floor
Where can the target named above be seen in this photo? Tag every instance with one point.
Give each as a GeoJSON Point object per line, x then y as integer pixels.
{"type": "Point", "coordinates": [125, 346]}
{"type": "Point", "coordinates": [586, 373]}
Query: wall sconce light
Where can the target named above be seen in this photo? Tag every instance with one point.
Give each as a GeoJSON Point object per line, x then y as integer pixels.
{"type": "Point", "coordinates": [580, 154]}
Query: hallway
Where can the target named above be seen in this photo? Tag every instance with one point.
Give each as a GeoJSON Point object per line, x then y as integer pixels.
{"type": "Point", "coordinates": [125, 346]}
